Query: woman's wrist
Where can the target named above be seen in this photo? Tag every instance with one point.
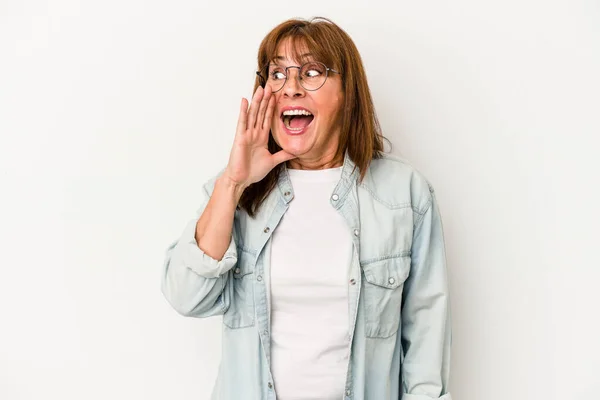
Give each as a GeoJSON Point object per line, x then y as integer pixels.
{"type": "Point", "coordinates": [233, 189]}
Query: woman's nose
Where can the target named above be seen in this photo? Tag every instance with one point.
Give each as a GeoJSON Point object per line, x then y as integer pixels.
{"type": "Point", "coordinates": [292, 87]}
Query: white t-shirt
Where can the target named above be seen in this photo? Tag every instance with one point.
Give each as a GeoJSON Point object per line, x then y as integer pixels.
{"type": "Point", "coordinates": [310, 261]}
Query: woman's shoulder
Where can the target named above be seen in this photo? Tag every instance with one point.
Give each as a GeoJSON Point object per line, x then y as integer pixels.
{"type": "Point", "coordinates": [397, 181]}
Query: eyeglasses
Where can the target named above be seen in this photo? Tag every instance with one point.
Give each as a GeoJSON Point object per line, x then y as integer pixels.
{"type": "Point", "coordinates": [311, 75]}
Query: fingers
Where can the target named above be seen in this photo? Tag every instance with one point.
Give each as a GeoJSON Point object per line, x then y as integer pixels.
{"type": "Point", "coordinates": [269, 114]}
{"type": "Point", "coordinates": [263, 107]}
{"type": "Point", "coordinates": [252, 112]}
{"type": "Point", "coordinates": [260, 113]}
{"type": "Point", "coordinates": [243, 117]}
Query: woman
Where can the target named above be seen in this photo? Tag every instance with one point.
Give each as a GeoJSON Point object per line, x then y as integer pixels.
{"type": "Point", "coordinates": [324, 255]}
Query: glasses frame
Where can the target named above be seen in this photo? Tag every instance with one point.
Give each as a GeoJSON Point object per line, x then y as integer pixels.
{"type": "Point", "coordinates": [266, 67]}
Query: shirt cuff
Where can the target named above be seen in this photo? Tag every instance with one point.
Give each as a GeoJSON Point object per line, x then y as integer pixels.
{"type": "Point", "coordinates": [407, 396]}
{"type": "Point", "coordinates": [201, 263]}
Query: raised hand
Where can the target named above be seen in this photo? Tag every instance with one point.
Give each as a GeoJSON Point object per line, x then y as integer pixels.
{"type": "Point", "coordinates": [250, 159]}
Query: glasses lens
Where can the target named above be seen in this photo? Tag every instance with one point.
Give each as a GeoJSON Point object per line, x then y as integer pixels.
{"type": "Point", "coordinates": [313, 75]}
{"type": "Point", "coordinates": [275, 77]}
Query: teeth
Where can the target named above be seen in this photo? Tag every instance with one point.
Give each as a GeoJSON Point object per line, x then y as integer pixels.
{"type": "Point", "coordinates": [296, 112]}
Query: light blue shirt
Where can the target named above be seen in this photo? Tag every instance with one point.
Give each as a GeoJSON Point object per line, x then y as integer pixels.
{"type": "Point", "coordinates": [398, 303]}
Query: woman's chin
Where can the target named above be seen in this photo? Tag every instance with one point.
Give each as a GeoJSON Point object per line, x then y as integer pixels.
{"type": "Point", "coordinates": [296, 149]}
{"type": "Point", "coordinates": [294, 144]}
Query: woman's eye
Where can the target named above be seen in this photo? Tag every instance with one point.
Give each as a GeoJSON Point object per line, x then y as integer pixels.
{"type": "Point", "coordinates": [311, 73]}
{"type": "Point", "coordinates": [277, 75]}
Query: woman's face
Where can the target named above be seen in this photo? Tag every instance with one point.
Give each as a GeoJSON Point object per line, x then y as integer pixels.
{"type": "Point", "coordinates": [313, 139]}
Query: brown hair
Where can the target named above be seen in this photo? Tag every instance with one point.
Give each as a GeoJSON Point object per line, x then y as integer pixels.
{"type": "Point", "coordinates": [360, 130]}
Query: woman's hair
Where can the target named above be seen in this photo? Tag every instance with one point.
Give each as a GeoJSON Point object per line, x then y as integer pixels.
{"type": "Point", "coordinates": [360, 130]}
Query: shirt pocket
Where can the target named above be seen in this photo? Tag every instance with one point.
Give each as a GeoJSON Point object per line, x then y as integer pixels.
{"type": "Point", "coordinates": [382, 290]}
{"type": "Point", "coordinates": [241, 306]}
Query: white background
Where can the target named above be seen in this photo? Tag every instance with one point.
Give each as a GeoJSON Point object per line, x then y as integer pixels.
{"type": "Point", "coordinates": [113, 113]}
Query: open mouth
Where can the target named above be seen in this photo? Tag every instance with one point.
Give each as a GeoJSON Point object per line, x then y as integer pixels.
{"type": "Point", "coordinates": [296, 121]}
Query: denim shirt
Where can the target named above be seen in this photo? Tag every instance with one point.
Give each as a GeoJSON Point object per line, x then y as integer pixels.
{"type": "Point", "coordinates": [398, 303]}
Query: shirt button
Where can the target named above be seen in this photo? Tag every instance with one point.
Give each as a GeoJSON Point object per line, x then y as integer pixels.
{"type": "Point", "coordinates": [391, 281]}
{"type": "Point", "coordinates": [348, 392]}
{"type": "Point", "coordinates": [286, 194]}
{"type": "Point", "coordinates": [270, 385]}
{"type": "Point", "coordinates": [267, 229]}
{"type": "Point", "coordinates": [356, 232]}
{"type": "Point", "coordinates": [352, 281]}
{"type": "Point", "coordinates": [335, 197]}
{"type": "Point", "coordinates": [237, 270]}
{"type": "Point", "coordinates": [259, 278]}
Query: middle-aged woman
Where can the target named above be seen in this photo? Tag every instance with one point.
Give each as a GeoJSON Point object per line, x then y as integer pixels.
{"type": "Point", "coordinates": [324, 255]}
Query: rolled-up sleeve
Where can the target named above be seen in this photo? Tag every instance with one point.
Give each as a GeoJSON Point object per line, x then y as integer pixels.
{"type": "Point", "coordinates": [426, 322]}
{"type": "Point", "coordinates": [194, 283]}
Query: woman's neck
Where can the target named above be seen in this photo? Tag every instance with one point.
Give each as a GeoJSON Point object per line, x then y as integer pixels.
{"type": "Point", "coordinates": [323, 162]}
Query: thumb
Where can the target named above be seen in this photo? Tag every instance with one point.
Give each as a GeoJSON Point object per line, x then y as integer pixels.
{"type": "Point", "coordinates": [282, 156]}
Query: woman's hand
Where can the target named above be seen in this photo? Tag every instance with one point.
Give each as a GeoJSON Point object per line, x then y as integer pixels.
{"type": "Point", "coordinates": [250, 159]}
